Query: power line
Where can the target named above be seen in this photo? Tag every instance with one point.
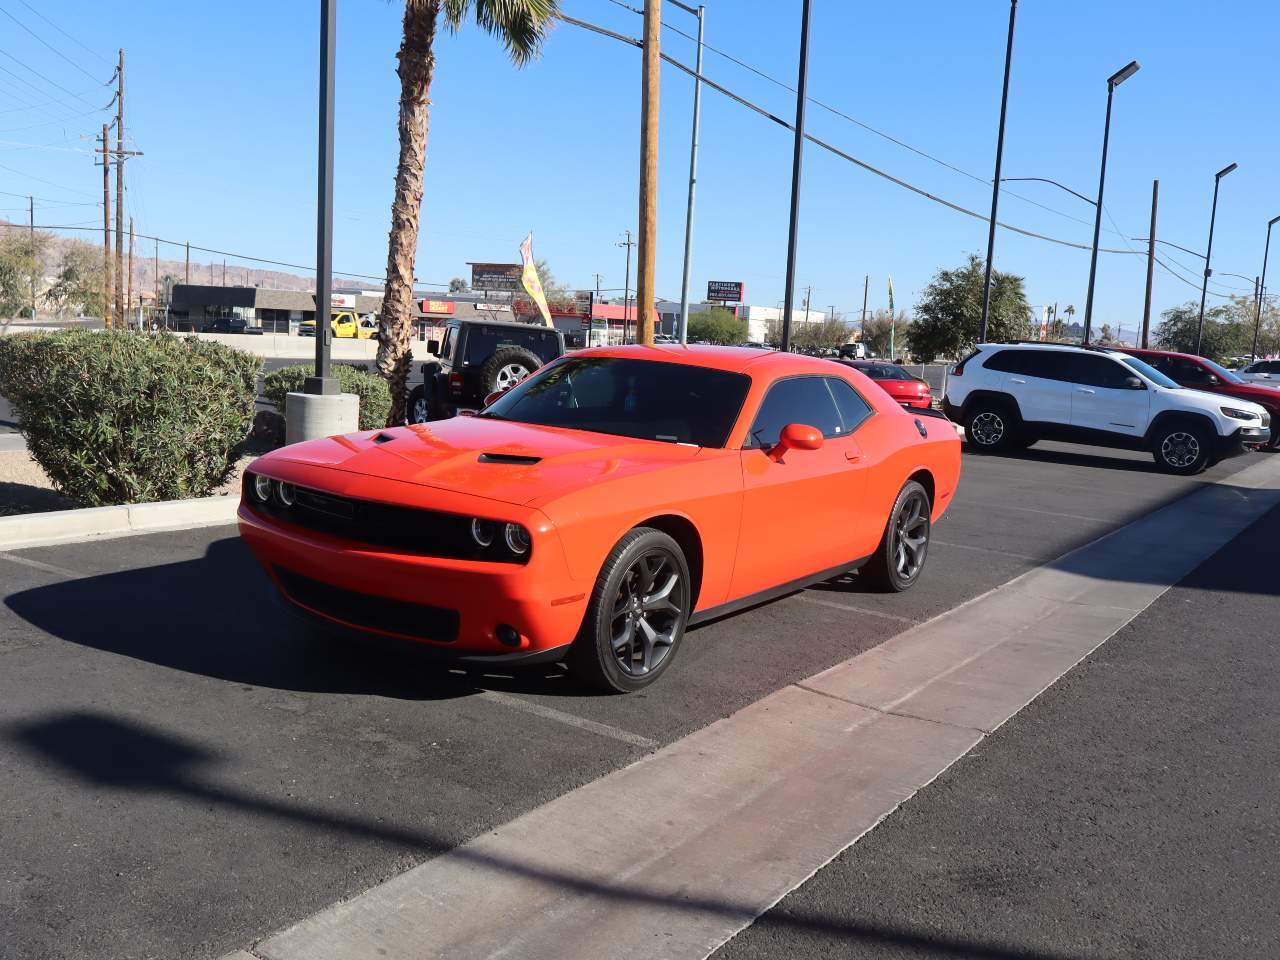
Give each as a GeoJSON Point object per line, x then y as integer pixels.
{"type": "Point", "coordinates": [64, 33]}
{"type": "Point", "coordinates": [46, 79]}
{"type": "Point", "coordinates": [47, 44]}
{"type": "Point", "coordinates": [50, 183]}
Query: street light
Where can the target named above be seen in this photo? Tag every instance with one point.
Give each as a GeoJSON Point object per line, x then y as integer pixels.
{"type": "Point", "coordinates": [1262, 288]}
{"type": "Point", "coordinates": [1113, 81]}
{"type": "Point", "coordinates": [1208, 253]}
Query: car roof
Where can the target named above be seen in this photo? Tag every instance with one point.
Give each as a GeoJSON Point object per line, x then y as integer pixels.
{"type": "Point", "coordinates": [474, 321]}
{"type": "Point", "coordinates": [1144, 351]}
{"type": "Point", "coordinates": [734, 359]}
{"type": "Point", "coordinates": [1065, 347]}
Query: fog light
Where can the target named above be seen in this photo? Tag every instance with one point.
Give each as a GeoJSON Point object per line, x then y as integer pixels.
{"type": "Point", "coordinates": [517, 539]}
{"type": "Point", "coordinates": [262, 487]}
{"type": "Point", "coordinates": [286, 493]}
{"type": "Point", "coordinates": [508, 635]}
{"type": "Point", "coordinates": [483, 531]}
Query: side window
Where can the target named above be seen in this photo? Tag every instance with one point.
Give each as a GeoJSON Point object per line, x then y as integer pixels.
{"type": "Point", "coordinates": [853, 409]}
{"type": "Point", "coordinates": [1271, 366]}
{"type": "Point", "coordinates": [1163, 364]}
{"type": "Point", "coordinates": [1005, 361]}
{"type": "Point", "coordinates": [1095, 371]}
{"type": "Point", "coordinates": [797, 400]}
{"type": "Point", "coordinates": [1186, 371]}
{"type": "Point", "coordinates": [1045, 364]}
{"type": "Point", "coordinates": [446, 346]}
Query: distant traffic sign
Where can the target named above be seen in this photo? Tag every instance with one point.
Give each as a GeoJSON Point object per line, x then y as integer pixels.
{"type": "Point", "coordinates": [727, 291]}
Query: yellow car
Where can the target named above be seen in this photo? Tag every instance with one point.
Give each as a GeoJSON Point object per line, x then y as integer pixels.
{"type": "Point", "coordinates": [344, 324]}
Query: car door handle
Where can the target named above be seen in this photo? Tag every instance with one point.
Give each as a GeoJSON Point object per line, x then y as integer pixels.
{"type": "Point", "coordinates": [1016, 380]}
{"type": "Point", "coordinates": [852, 457]}
{"type": "Point", "coordinates": [1085, 390]}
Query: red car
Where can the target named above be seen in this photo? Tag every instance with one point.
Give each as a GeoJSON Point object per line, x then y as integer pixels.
{"type": "Point", "coordinates": [1199, 373]}
{"type": "Point", "coordinates": [911, 392]}
{"type": "Point", "coordinates": [604, 504]}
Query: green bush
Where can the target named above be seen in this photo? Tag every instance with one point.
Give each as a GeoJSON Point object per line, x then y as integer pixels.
{"type": "Point", "coordinates": [120, 417]}
{"type": "Point", "coordinates": [375, 398]}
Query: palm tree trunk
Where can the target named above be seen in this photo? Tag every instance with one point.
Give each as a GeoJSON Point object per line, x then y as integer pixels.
{"type": "Point", "coordinates": [395, 324]}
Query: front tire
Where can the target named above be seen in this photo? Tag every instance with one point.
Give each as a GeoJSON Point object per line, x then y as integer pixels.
{"type": "Point", "coordinates": [899, 559]}
{"type": "Point", "coordinates": [1182, 449]}
{"type": "Point", "coordinates": [637, 614]}
{"type": "Point", "coordinates": [990, 427]}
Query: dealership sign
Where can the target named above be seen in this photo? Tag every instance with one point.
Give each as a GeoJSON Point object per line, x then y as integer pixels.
{"type": "Point", "coordinates": [347, 300]}
{"type": "Point", "coordinates": [495, 276]}
{"type": "Point", "coordinates": [726, 291]}
{"type": "Point", "coordinates": [438, 306]}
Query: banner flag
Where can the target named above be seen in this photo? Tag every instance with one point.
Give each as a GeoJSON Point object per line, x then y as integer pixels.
{"type": "Point", "coordinates": [529, 277]}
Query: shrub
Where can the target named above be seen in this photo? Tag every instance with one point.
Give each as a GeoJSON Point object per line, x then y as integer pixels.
{"type": "Point", "coordinates": [375, 398]}
{"type": "Point", "coordinates": [120, 417]}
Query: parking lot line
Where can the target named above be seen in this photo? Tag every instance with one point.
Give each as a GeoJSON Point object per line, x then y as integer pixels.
{"type": "Point", "coordinates": [935, 542]}
{"type": "Point", "coordinates": [675, 853]}
{"type": "Point", "coordinates": [1043, 513]}
{"type": "Point", "coordinates": [40, 565]}
{"type": "Point", "coordinates": [559, 716]}
{"type": "Point", "coordinates": [856, 609]}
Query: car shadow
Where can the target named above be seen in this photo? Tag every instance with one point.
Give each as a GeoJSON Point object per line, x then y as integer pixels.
{"type": "Point", "coordinates": [220, 617]}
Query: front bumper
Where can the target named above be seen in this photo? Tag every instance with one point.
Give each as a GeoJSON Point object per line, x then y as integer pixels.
{"type": "Point", "coordinates": [1233, 444]}
{"type": "Point", "coordinates": [453, 607]}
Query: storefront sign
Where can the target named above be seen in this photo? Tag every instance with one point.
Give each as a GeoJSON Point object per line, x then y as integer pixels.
{"type": "Point", "coordinates": [438, 306]}
{"type": "Point", "coordinates": [726, 291]}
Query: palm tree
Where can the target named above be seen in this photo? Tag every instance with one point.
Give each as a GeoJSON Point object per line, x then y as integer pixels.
{"type": "Point", "coordinates": [521, 26]}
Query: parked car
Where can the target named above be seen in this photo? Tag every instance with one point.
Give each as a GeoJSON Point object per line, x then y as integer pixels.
{"type": "Point", "coordinates": [1199, 373]}
{"type": "Point", "coordinates": [855, 351]}
{"type": "Point", "coordinates": [344, 324]}
{"type": "Point", "coordinates": [1008, 396]}
{"type": "Point", "coordinates": [604, 504]}
{"type": "Point", "coordinates": [478, 358]}
{"type": "Point", "coordinates": [907, 389]}
{"type": "Point", "coordinates": [225, 325]}
{"type": "Point", "coordinates": [1261, 371]}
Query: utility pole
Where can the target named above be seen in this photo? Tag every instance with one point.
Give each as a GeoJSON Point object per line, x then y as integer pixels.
{"type": "Point", "coordinates": [155, 269]}
{"type": "Point", "coordinates": [35, 262]}
{"type": "Point", "coordinates": [129, 306]}
{"type": "Point", "coordinates": [808, 292]}
{"type": "Point", "coordinates": [995, 182]}
{"type": "Point", "coordinates": [866, 285]}
{"type": "Point", "coordinates": [1151, 264]}
{"type": "Point", "coordinates": [693, 178]}
{"type": "Point", "coordinates": [108, 285]}
{"type": "Point", "coordinates": [224, 279]}
{"type": "Point", "coordinates": [646, 259]}
{"type": "Point", "coordinates": [186, 277]}
{"type": "Point", "coordinates": [797, 157]}
{"type": "Point", "coordinates": [626, 286]}
{"type": "Point", "coordinates": [120, 187]}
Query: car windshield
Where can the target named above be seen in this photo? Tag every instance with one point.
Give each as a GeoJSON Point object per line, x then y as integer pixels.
{"type": "Point", "coordinates": [1151, 373]}
{"type": "Point", "coordinates": [1222, 372]}
{"type": "Point", "coordinates": [885, 371]}
{"type": "Point", "coordinates": [645, 399]}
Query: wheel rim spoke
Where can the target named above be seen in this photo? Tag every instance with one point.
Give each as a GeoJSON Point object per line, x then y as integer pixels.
{"type": "Point", "coordinates": [647, 613]}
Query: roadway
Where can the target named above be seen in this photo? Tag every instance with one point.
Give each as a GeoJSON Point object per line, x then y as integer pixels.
{"type": "Point", "coordinates": [186, 769]}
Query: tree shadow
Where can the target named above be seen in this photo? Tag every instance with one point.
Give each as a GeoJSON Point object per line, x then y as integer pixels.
{"type": "Point", "coordinates": [106, 752]}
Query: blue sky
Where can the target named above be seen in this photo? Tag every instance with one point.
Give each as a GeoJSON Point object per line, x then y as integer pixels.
{"type": "Point", "coordinates": [222, 100]}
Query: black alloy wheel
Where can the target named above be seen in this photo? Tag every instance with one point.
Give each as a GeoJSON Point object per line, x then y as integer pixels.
{"type": "Point", "coordinates": [899, 559]}
{"type": "Point", "coordinates": [637, 615]}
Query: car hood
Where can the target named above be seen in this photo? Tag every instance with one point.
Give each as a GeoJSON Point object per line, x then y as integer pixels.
{"type": "Point", "coordinates": [511, 462]}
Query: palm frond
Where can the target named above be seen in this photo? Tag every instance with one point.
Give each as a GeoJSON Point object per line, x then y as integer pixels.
{"type": "Point", "coordinates": [521, 25]}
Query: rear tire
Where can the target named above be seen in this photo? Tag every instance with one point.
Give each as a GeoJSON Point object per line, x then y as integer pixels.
{"type": "Point", "coordinates": [637, 615]}
{"type": "Point", "coordinates": [419, 407]}
{"type": "Point", "coordinates": [899, 559]}
{"type": "Point", "coordinates": [1181, 449]}
{"type": "Point", "coordinates": [990, 427]}
{"type": "Point", "coordinates": [507, 367]}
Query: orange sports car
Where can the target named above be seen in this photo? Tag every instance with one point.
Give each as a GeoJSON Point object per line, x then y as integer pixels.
{"type": "Point", "coordinates": [603, 505]}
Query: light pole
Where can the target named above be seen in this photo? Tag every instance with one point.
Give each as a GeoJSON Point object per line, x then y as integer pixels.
{"type": "Point", "coordinates": [700, 13]}
{"type": "Point", "coordinates": [797, 157]}
{"type": "Point", "coordinates": [1262, 288]}
{"type": "Point", "coordinates": [1113, 81]}
{"type": "Point", "coordinates": [995, 181]}
{"type": "Point", "coordinates": [1208, 253]}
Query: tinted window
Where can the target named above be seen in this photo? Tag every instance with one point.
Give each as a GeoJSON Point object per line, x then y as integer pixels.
{"type": "Point", "coordinates": [1187, 372]}
{"type": "Point", "coordinates": [883, 371]}
{"type": "Point", "coordinates": [797, 400]}
{"type": "Point", "coordinates": [1030, 363]}
{"type": "Point", "coordinates": [1223, 373]}
{"type": "Point", "coordinates": [649, 400]}
{"type": "Point", "coordinates": [1094, 371]}
{"type": "Point", "coordinates": [1151, 373]}
{"type": "Point", "coordinates": [853, 409]}
{"type": "Point", "coordinates": [483, 341]}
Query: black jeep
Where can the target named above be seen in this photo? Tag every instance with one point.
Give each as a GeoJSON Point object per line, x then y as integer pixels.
{"type": "Point", "coordinates": [477, 358]}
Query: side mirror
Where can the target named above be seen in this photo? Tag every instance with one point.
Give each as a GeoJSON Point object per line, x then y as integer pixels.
{"type": "Point", "coordinates": [493, 396]}
{"type": "Point", "coordinates": [1134, 383]}
{"type": "Point", "coordinates": [795, 436]}
{"type": "Point", "coordinates": [1213, 380]}
{"type": "Point", "coordinates": [433, 347]}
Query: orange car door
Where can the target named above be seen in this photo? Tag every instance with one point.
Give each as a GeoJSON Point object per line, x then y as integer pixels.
{"type": "Point", "coordinates": [797, 511]}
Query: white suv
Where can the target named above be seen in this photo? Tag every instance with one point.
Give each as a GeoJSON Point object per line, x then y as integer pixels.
{"type": "Point", "coordinates": [1009, 395]}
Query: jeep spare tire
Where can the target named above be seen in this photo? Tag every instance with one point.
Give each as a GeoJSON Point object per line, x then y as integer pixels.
{"type": "Point", "coordinates": [507, 367]}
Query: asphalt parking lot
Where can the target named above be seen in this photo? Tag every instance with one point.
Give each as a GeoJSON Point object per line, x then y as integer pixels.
{"type": "Point", "coordinates": [185, 769]}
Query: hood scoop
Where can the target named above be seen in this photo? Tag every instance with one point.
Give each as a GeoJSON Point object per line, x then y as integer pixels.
{"type": "Point", "coordinates": [509, 458]}
{"type": "Point", "coordinates": [382, 438]}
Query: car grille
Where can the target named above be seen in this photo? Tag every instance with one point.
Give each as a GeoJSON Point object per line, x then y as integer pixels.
{"type": "Point", "coordinates": [362, 610]}
{"type": "Point", "coordinates": [427, 533]}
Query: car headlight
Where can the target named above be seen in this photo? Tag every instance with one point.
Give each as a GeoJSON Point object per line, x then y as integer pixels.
{"type": "Point", "coordinates": [517, 538]}
{"type": "Point", "coordinates": [261, 487]}
{"type": "Point", "coordinates": [286, 493]}
{"type": "Point", "coordinates": [1235, 413]}
{"type": "Point", "coordinates": [483, 531]}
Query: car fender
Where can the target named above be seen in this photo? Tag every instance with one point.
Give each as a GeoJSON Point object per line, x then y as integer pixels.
{"type": "Point", "coordinates": [1000, 396]}
{"type": "Point", "coordinates": [1167, 418]}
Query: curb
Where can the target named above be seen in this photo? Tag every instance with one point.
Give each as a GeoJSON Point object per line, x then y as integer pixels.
{"type": "Point", "coordinates": [91, 523]}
